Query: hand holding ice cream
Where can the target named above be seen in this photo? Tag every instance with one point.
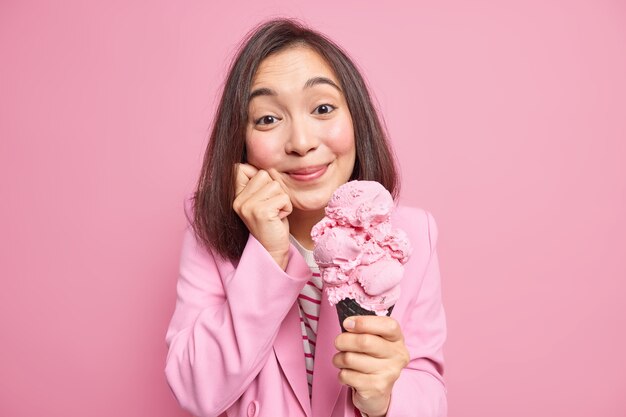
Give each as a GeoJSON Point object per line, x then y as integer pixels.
{"type": "Point", "coordinates": [371, 356]}
{"type": "Point", "coordinates": [361, 259]}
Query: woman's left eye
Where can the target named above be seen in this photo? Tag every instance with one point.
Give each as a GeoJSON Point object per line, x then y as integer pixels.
{"type": "Point", "coordinates": [324, 109]}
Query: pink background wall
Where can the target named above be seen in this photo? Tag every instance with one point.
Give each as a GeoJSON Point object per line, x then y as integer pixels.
{"type": "Point", "coordinates": [509, 123]}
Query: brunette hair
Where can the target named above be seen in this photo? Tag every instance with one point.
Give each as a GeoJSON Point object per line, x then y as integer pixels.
{"type": "Point", "coordinates": [215, 222]}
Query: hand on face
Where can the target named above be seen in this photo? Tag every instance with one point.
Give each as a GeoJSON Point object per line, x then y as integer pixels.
{"type": "Point", "coordinates": [263, 205]}
{"type": "Point", "coordinates": [371, 355]}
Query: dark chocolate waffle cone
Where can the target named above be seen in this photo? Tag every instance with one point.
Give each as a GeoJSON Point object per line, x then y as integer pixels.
{"type": "Point", "coordinates": [348, 307]}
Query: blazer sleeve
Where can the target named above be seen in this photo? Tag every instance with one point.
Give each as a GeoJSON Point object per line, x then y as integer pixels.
{"type": "Point", "coordinates": [225, 323]}
{"type": "Point", "coordinates": [420, 390]}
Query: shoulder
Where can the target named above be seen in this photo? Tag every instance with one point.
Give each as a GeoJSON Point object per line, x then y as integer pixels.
{"type": "Point", "coordinates": [193, 247]}
{"type": "Point", "coordinates": [419, 224]}
{"type": "Point", "coordinates": [421, 229]}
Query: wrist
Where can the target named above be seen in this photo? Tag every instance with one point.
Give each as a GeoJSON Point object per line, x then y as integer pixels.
{"type": "Point", "coordinates": [374, 406]}
{"type": "Point", "coordinates": [281, 259]}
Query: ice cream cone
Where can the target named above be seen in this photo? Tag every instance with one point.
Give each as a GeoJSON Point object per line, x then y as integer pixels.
{"type": "Point", "coordinates": [349, 307]}
{"type": "Point", "coordinates": [360, 254]}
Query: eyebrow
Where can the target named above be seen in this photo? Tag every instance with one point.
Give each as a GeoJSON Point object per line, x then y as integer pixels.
{"type": "Point", "coordinates": [310, 83]}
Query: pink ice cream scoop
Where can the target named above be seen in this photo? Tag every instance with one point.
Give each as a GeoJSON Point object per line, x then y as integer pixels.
{"type": "Point", "coordinates": [360, 254]}
{"type": "Point", "coordinates": [360, 204]}
{"type": "Point", "coordinates": [338, 247]}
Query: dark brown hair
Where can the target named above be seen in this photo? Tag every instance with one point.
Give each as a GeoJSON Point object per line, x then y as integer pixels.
{"type": "Point", "coordinates": [215, 222]}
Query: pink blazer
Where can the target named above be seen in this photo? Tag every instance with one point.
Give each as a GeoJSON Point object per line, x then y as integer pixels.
{"type": "Point", "coordinates": [235, 343]}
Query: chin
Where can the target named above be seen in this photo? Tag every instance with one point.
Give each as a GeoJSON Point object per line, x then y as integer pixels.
{"type": "Point", "coordinates": [310, 203]}
{"type": "Point", "coordinates": [309, 207]}
{"type": "Point", "coordinates": [313, 199]}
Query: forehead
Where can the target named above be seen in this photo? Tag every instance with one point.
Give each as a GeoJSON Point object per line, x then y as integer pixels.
{"type": "Point", "coordinates": [293, 64]}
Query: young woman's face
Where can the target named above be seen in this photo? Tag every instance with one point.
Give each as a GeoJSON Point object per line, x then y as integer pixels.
{"type": "Point", "coordinates": [299, 126]}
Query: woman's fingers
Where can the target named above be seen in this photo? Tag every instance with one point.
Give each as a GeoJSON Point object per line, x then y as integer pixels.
{"type": "Point", "coordinates": [284, 203]}
{"type": "Point", "coordinates": [275, 205]}
{"type": "Point", "coordinates": [369, 344]}
{"type": "Point", "coordinates": [252, 187]}
{"type": "Point", "coordinates": [263, 205]}
{"type": "Point", "coordinates": [356, 361]}
{"type": "Point", "coordinates": [353, 379]}
{"type": "Point", "coordinates": [244, 172]}
{"type": "Point", "coordinates": [250, 180]}
{"type": "Point", "coordinates": [383, 326]}
{"type": "Point", "coordinates": [253, 184]}
{"type": "Point", "coordinates": [370, 364]}
{"type": "Point", "coordinates": [275, 175]}
{"type": "Point", "coordinates": [365, 384]}
{"type": "Point", "coordinates": [259, 190]}
{"type": "Point", "coordinates": [375, 336]}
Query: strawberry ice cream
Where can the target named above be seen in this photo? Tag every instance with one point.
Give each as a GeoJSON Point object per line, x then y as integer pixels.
{"type": "Point", "coordinates": [360, 254]}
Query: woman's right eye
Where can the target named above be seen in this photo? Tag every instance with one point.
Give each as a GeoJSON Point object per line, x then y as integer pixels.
{"type": "Point", "coordinates": [265, 120]}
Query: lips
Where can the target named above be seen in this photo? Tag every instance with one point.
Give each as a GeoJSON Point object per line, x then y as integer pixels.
{"type": "Point", "coordinates": [308, 173]}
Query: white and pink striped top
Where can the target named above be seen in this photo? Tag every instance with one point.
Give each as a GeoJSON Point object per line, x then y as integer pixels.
{"type": "Point", "coordinates": [309, 302]}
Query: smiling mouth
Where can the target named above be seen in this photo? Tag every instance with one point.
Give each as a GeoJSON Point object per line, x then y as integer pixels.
{"type": "Point", "coordinates": [308, 173]}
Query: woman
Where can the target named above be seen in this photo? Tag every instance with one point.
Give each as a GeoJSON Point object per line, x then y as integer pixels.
{"type": "Point", "coordinates": [251, 334]}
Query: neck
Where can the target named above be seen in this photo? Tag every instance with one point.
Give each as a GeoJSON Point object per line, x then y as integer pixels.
{"type": "Point", "coordinates": [301, 223]}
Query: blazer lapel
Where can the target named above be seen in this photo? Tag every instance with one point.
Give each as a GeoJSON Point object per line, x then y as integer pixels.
{"type": "Point", "coordinates": [326, 386]}
{"type": "Point", "coordinates": [290, 354]}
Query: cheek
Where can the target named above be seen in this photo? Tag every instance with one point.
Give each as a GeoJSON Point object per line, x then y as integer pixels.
{"type": "Point", "coordinates": [340, 137]}
{"type": "Point", "coordinates": [261, 151]}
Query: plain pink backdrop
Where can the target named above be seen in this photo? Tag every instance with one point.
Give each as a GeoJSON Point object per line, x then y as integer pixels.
{"type": "Point", "coordinates": [508, 119]}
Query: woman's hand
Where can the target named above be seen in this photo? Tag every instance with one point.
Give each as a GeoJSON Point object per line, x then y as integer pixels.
{"type": "Point", "coordinates": [263, 205]}
{"type": "Point", "coordinates": [371, 355]}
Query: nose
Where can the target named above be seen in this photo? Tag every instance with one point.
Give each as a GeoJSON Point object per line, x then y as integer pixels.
{"type": "Point", "coordinates": [302, 140]}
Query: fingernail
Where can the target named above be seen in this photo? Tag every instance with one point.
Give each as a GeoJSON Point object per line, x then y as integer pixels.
{"type": "Point", "coordinates": [348, 324]}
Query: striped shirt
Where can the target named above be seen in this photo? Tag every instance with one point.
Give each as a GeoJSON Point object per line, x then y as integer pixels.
{"type": "Point", "coordinates": [309, 301]}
